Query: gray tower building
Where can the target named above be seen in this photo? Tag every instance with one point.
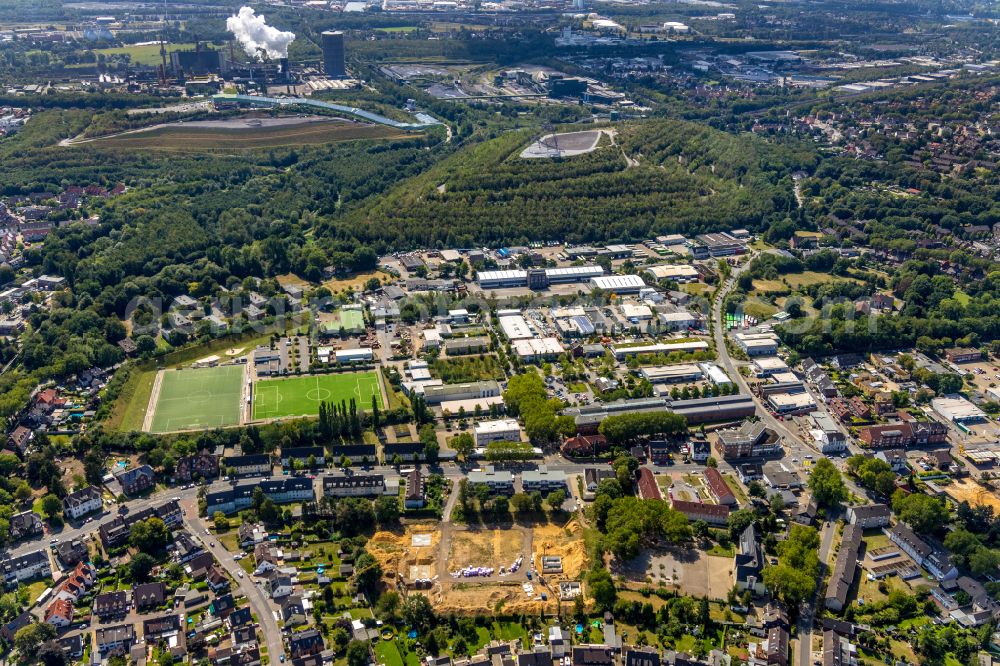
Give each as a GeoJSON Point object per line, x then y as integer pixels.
{"type": "Point", "coordinates": [333, 54]}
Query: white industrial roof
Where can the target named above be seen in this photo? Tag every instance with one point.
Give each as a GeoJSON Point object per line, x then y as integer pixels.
{"type": "Point", "coordinates": [613, 282]}
{"type": "Point", "coordinates": [501, 275]}
{"type": "Point", "coordinates": [501, 425]}
{"type": "Point", "coordinates": [537, 347]}
{"type": "Point", "coordinates": [672, 271]}
{"type": "Point", "coordinates": [582, 271]}
{"type": "Point", "coordinates": [515, 327]}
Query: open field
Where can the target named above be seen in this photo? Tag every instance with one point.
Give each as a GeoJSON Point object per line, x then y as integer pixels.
{"type": "Point", "coordinates": [301, 396]}
{"type": "Point", "coordinates": [691, 570]}
{"type": "Point", "coordinates": [224, 135]}
{"type": "Point", "coordinates": [145, 54]}
{"type": "Point", "coordinates": [198, 398]}
{"type": "Point", "coordinates": [356, 282]}
{"type": "Point", "coordinates": [129, 411]}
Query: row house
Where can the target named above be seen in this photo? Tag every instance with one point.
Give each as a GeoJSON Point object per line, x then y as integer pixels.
{"type": "Point", "coordinates": [248, 465]}
{"type": "Point", "coordinates": [117, 639]}
{"type": "Point", "coordinates": [230, 499]}
{"type": "Point", "coordinates": [307, 456]}
{"type": "Point", "coordinates": [357, 485]}
{"type": "Point", "coordinates": [76, 584]}
{"type": "Point", "coordinates": [933, 558]}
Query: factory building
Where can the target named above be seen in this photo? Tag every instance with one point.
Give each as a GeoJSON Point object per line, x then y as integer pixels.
{"type": "Point", "coordinates": [332, 43]}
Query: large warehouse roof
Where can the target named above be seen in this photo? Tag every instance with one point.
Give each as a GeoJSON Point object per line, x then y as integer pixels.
{"type": "Point", "coordinates": [618, 282]}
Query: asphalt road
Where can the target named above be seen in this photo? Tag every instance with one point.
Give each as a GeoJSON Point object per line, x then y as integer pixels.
{"type": "Point", "coordinates": [808, 614]}
{"type": "Point", "coordinates": [259, 603]}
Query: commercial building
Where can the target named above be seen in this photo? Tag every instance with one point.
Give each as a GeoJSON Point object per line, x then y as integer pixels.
{"type": "Point", "coordinates": [536, 279]}
{"type": "Point", "coordinates": [515, 327]}
{"type": "Point", "coordinates": [672, 374]}
{"type": "Point", "coordinates": [623, 352]}
{"type": "Point", "coordinates": [963, 355]}
{"type": "Point", "coordinates": [765, 367]}
{"type": "Point", "coordinates": [360, 355]}
{"type": "Point", "coordinates": [958, 410]}
{"type": "Point", "coordinates": [503, 430]}
{"type": "Point", "coordinates": [435, 395]}
{"type": "Point", "coordinates": [751, 440]}
{"type": "Point", "coordinates": [537, 349]}
{"type": "Point", "coordinates": [715, 245]}
{"type": "Point", "coordinates": [618, 284]}
{"type": "Point", "coordinates": [757, 344]}
{"type": "Point", "coordinates": [680, 273]}
{"type": "Point", "coordinates": [332, 44]}
{"type": "Point", "coordinates": [791, 403]}
{"type": "Point", "coordinates": [828, 437]}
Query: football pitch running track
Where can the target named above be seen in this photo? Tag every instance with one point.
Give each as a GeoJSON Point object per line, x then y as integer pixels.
{"type": "Point", "coordinates": [301, 396]}
{"type": "Point", "coordinates": [197, 398]}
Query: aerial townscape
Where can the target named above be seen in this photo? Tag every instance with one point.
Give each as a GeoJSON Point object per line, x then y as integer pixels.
{"type": "Point", "coordinates": [500, 333]}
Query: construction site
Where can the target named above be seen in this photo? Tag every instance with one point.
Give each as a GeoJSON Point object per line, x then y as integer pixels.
{"type": "Point", "coordinates": [465, 569]}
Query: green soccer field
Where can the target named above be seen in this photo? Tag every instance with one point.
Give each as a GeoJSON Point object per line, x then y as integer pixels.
{"type": "Point", "coordinates": [301, 396]}
{"type": "Point", "coordinates": [198, 398]}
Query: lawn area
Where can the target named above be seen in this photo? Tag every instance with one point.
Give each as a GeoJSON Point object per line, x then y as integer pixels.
{"type": "Point", "coordinates": [387, 653]}
{"type": "Point", "coordinates": [230, 540]}
{"type": "Point", "coordinates": [147, 54]}
{"type": "Point", "coordinates": [718, 550]}
{"type": "Point", "coordinates": [35, 590]}
{"type": "Point", "coordinates": [758, 308]}
{"type": "Point", "coordinates": [770, 287]}
{"type": "Point", "coordinates": [129, 410]}
{"type": "Point", "coordinates": [199, 398]}
{"type": "Point", "coordinates": [301, 396]}
{"type": "Point", "coordinates": [357, 282]}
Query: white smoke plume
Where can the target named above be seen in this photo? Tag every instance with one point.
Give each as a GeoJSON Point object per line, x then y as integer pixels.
{"type": "Point", "coordinates": [256, 36]}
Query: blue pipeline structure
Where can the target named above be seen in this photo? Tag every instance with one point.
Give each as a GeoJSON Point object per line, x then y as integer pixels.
{"type": "Point", "coordinates": [424, 121]}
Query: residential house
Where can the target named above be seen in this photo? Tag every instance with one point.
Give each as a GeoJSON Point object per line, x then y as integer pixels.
{"type": "Point", "coordinates": [59, 613]}
{"type": "Point", "coordinates": [713, 514]}
{"type": "Point", "coordinates": [117, 639]}
{"type": "Point", "coordinates": [9, 629]}
{"type": "Point", "coordinates": [749, 562]}
{"type": "Point", "coordinates": [149, 595]}
{"type": "Point", "coordinates": [868, 516]}
{"type": "Point", "coordinates": [414, 498]}
{"type": "Point", "coordinates": [293, 612]}
{"type": "Point", "coordinates": [80, 503]}
{"type": "Point", "coordinates": [250, 534]}
{"type": "Point", "coordinates": [241, 617]}
{"type": "Point", "coordinates": [543, 480]}
{"type": "Point", "coordinates": [592, 655]}
{"type": "Point", "coordinates": [248, 465]}
{"type": "Point", "coordinates": [71, 553]}
{"type": "Point", "coordinates": [930, 556]}
{"type": "Point", "coordinates": [358, 454]}
{"type": "Point", "coordinates": [109, 605]}
{"type": "Point", "coordinates": [305, 643]}
{"type": "Point", "coordinates": [405, 451]}
{"type": "Point", "coordinates": [357, 485]}
{"type": "Point", "coordinates": [19, 440]}
{"type": "Point", "coordinates": [844, 569]}
{"type": "Point", "coordinates": [136, 480]}
{"type": "Point", "coordinates": [223, 606]}
{"type": "Point", "coordinates": [72, 645]}
{"type": "Point", "coordinates": [25, 524]}
{"type": "Point", "coordinates": [29, 566]}
{"type": "Point", "coordinates": [279, 585]}
{"type": "Point", "coordinates": [303, 456]}
{"type": "Point", "coordinates": [718, 487]}
{"type": "Point", "coordinates": [202, 465]}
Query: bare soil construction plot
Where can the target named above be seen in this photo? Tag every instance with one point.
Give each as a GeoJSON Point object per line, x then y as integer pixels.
{"type": "Point", "coordinates": [486, 548]}
{"type": "Point", "coordinates": [973, 493]}
{"type": "Point", "coordinates": [563, 145]}
{"type": "Point", "coordinates": [565, 542]}
{"type": "Point", "coordinates": [410, 552]}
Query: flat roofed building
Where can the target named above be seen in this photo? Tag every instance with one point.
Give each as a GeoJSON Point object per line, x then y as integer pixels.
{"type": "Point", "coordinates": [497, 480]}
{"type": "Point", "coordinates": [789, 403]}
{"type": "Point", "coordinates": [502, 430]}
{"type": "Point", "coordinates": [436, 395]}
{"type": "Point", "coordinates": [543, 480]}
{"type": "Point", "coordinates": [681, 273]}
{"type": "Point", "coordinates": [515, 327]}
{"type": "Point", "coordinates": [502, 279]}
{"type": "Point", "coordinates": [958, 409]}
{"type": "Point", "coordinates": [672, 374]}
{"type": "Point", "coordinates": [618, 284]}
{"type": "Point", "coordinates": [536, 349]}
{"type": "Point", "coordinates": [623, 352]}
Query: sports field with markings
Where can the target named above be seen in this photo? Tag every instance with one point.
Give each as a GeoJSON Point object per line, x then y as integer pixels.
{"type": "Point", "coordinates": [197, 398]}
{"type": "Point", "coordinates": [301, 396]}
